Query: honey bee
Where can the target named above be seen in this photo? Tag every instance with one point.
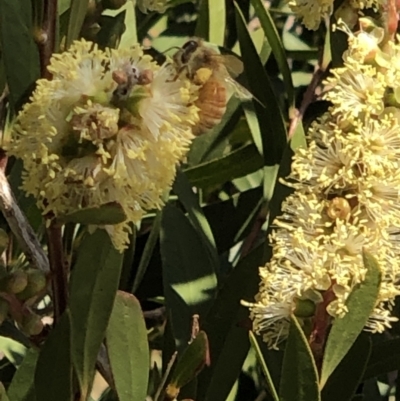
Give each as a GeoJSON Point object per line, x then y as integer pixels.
{"type": "Point", "coordinates": [215, 74]}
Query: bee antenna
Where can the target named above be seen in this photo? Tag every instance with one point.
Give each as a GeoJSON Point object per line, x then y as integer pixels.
{"type": "Point", "coordinates": [170, 48]}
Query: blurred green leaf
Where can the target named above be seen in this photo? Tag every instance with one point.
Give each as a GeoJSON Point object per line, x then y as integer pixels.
{"type": "Point", "coordinates": [147, 252]}
{"type": "Point", "coordinates": [264, 367]}
{"type": "Point", "coordinates": [190, 363]}
{"type": "Point", "coordinates": [343, 382]}
{"type": "Point", "coordinates": [127, 347]}
{"type": "Point", "coordinates": [190, 202]}
{"type": "Point", "coordinates": [18, 49]}
{"type": "Point", "coordinates": [384, 358]}
{"type": "Point", "coordinates": [276, 44]}
{"type": "Point", "coordinates": [188, 272]}
{"type": "Point", "coordinates": [238, 163]}
{"type": "Point", "coordinates": [345, 330]}
{"type": "Point", "coordinates": [53, 376]}
{"type": "Point", "coordinates": [203, 20]}
{"type": "Point", "coordinates": [77, 15]}
{"type": "Point", "coordinates": [299, 380]}
{"type": "Point", "coordinates": [129, 37]}
{"type": "Point", "coordinates": [110, 213]}
{"type": "Point", "coordinates": [217, 21]}
{"type": "Point", "coordinates": [3, 394]}
{"type": "Point", "coordinates": [272, 127]}
{"type": "Point", "coordinates": [231, 219]}
{"type": "Point", "coordinates": [22, 387]}
{"type": "Point", "coordinates": [94, 283]}
{"type": "Point", "coordinates": [223, 318]}
{"type": "Point", "coordinates": [111, 30]}
{"type": "Point", "coordinates": [228, 366]}
{"type": "Point", "coordinates": [13, 350]}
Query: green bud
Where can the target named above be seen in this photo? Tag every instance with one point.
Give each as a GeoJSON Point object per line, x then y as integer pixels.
{"type": "Point", "coordinates": [36, 283]}
{"type": "Point", "coordinates": [304, 308]}
{"type": "Point", "coordinates": [16, 282]}
{"type": "Point", "coordinates": [32, 325]}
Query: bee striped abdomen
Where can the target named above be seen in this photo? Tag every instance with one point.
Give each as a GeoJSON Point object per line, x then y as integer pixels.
{"type": "Point", "coordinates": [212, 105]}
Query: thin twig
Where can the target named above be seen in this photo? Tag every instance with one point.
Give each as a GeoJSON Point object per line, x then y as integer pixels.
{"type": "Point", "coordinates": [165, 376]}
{"type": "Point", "coordinates": [47, 39]}
{"type": "Point", "coordinates": [59, 276]}
{"type": "Point", "coordinates": [309, 96]}
{"type": "Point", "coordinates": [19, 224]}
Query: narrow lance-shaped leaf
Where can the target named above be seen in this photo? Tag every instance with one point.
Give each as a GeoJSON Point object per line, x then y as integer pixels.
{"type": "Point", "coordinates": [18, 50]}
{"type": "Point", "coordinates": [190, 364]}
{"type": "Point", "coordinates": [22, 386]}
{"type": "Point", "coordinates": [94, 283]}
{"type": "Point", "coordinates": [76, 18]}
{"type": "Point", "coordinates": [299, 380]}
{"type": "Point", "coordinates": [128, 348]}
{"type": "Point", "coordinates": [261, 361]}
{"type": "Point", "coordinates": [53, 376]}
{"type": "Point", "coordinates": [345, 330]}
{"type": "Point", "coordinates": [276, 44]}
{"type": "Point", "coordinates": [188, 273]}
{"type": "Point", "coordinates": [271, 122]}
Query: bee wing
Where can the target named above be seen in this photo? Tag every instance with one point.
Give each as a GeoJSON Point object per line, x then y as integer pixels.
{"type": "Point", "coordinates": [240, 91]}
{"type": "Point", "coordinates": [233, 65]}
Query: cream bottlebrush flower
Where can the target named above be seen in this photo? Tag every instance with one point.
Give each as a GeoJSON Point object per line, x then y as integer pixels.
{"type": "Point", "coordinates": [111, 126]}
{"type": "Point", "coordinates": [346, 200]}
{"type": "Point", "coordinates": [311, 12]}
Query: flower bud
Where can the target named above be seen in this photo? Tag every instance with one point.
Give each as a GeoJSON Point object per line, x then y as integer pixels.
{"type": "Point", "coordinates": [16, 282]}
{"type": "Point", "coordinates": [32, 325]}
{"type": "Point", "coordinates": [36, 283]}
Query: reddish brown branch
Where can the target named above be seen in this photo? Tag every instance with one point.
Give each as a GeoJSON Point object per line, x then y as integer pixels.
{"type": "Point", "coordinates": [59, 275]}
{"type": "Point", "coordinates": [46, 37]}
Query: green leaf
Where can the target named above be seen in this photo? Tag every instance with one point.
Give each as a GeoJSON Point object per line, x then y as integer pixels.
{"type": "Point", "coordinates": [299, 380]}
{"type": "Point", "coordinates": [128, 349]}
{"type": "Point", "coordinates": [264, 367]}
{"type": "Point", "coordinates": [223, 318]}
{"type": "Point", "coordinates": [18, 50]}
{"type": "Point", "coordinates": [188, 272]}
{"type": "Point", "coordinates": [3, 393]}
{"type": "Point", "coordinates": [22, 387]}
{"type": "Point", "coordinates": [345, 331]}
{"type": "Point", "coordinates": [109, 213]}
{"type": "Point", "coordinates": [129, 37]}
{"type": "Point", "coordinates": [343, 382]}
{"type": "Point", "coordinates": [203, 21]}
{"type": "Point", "coordinates": [190, 202]}
{"type": "Point", "coordinates": [384, 358]}
{"type": "Point", "coordinates": [217, 20]}
{"type": "Point", "coordinates": [238, 163]}
{"type": "Point", "coordinates": [274, 40]}
{"type": "Point", "coordinates": [271, 122]}
{"type": "Point", "coordinates": [13, 350]}
{"type": "Point", "coordinates": [147, 252]}
{"type": "Point", "coordinates": [111, 30]}
{"type": "Point", "coordinates": [53, 376]}
{"type": "Point", "coordinates": [76, 18]}
{"type": "Point", "coordinates": [94, 283]}
{"type": "Point", "coordinates": [192, 361]}
{"type": "Point", "coordinates": [231, 219]}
